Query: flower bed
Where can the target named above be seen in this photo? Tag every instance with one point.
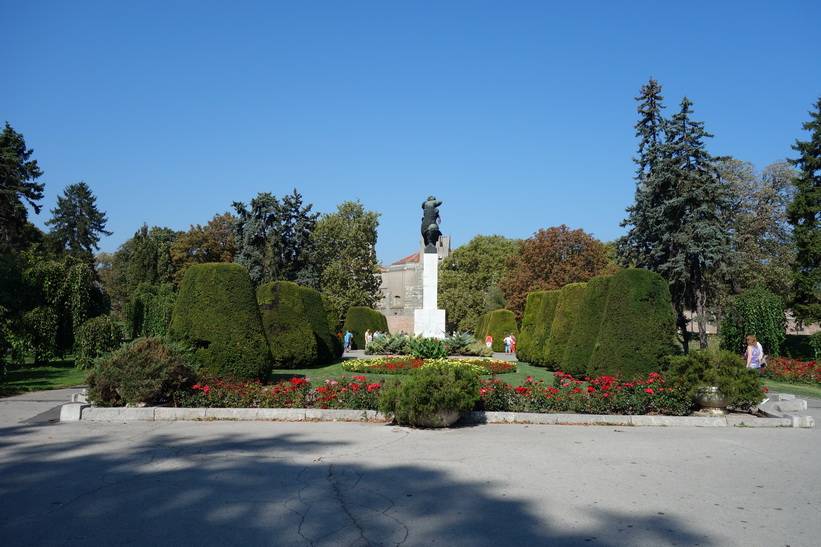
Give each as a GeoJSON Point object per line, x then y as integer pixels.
{"type": "Point", "coordinates": [783, 369]}
{"type": "Point", "coordinates": [604, 395]}
{"type": "Point", "coordinates": [402, 365]}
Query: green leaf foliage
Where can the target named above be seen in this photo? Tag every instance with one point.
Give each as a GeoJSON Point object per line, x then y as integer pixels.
{"type": "Point", "coordinates": [468, 279]}
{"type": "Point", "coordinates": [216, 314]}
{"type": "Point", "coordinates": [18, 187]}
{"type": "Point", "coordinates": [95, 338]}
{"type": "Point", "coordinates": [150, 309]}
{"type": "Point", "coordinates": [567, 310]}
{"type": "Point", "coordinates": [428, 389]}
{"type": "Point", "coordinates": [147, 371]}
{"type": "Point", "coordinates": [722, 369]}
{"type": "Point", "coordinates": [586, 329]}
{"type": "Point", "coordinates": [755, 311]}
{"type": "Point", "coordinates": [637, 328]}
{"type": "Point", "coordinates": [359, 319]}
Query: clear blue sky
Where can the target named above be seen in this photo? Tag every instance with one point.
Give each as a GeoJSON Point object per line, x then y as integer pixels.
{"type": "Point", "coordinates": [518, 114]}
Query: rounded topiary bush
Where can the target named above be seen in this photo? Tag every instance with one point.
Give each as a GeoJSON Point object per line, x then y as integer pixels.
{"type": "Point", "coordinates": [334, 325]}
{"type": "Point", "coordinates": [567, 309]}
{"type": "Point", "coordinates": [543, 324]}
{"type": "Point", "coordinates": [328, 346]}
{"type": "Point", "coordinates": [95, 338]}
{"type": "Point", "coordinates": [147, 371]}
{"type": "Point", "coordinates": [585, 332]}
{"type": "Point", "coordinates": [359, 319]}
{"type": "Point", "coordinates": [290, 332]}
{"type": "Point", "coordinates": [637, 328]}
{"type": "Point", "coordinates": [437, 386]}
{"type": "Point", "coordinates": [216, 314]}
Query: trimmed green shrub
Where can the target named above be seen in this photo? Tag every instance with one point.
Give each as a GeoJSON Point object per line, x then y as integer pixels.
{"type": "Point", "coordinates": [388, 344]}
{"type": "Point", "coordinates": [585, 332]}
{"type": "Point", "coordinates": [524, 342]}
{"type": "Point", "coordinates": [755, 311]}
{"type": "Point", "coordinates": [216, 314]}
{"type": "Point", "coordinates": [95, 338]}
{"type": "Point", "coordinates": [543, 324]}
{"type": "Point", "coordinates": [147, 371]}
{"type": "Point", "coordinates": [326, 340]}
{"type": "Point", "coordinates": [637, 328]}
{"type": "Point", "coordinates": [722, 369]}
{"type": "Point", "coordinates": [567, 310]}
{"type": "Point", "coordinates": [428, 389]}
{"type": "Point", "coordinates": [499, 323]}
{"type": "Point", "coordinates": [290, 333]}
{"type": "Point", "coordinates": [359, 319]}
{"type": "Point", "coordinates": [334, 326]}
{"type": "Point", "coordinates": [150, 309]}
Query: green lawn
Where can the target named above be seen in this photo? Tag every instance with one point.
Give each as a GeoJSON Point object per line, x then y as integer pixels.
{"type": "Point", "coordinates": [800, 390]}
{"type": "Point", "coordinates": [56, 375]}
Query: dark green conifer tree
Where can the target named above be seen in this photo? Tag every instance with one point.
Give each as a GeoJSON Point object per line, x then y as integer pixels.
{"type": "Point", "coordinates": [804, 214]}
{"type": "Point", "coordinates": [76, 222]}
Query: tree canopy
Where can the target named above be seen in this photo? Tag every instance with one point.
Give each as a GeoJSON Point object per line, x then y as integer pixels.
{"type": "Point", "coordinates": [213, 242]}
{"type": "Point", "coordinates": [804, 214]}
{"type": "Point", "coordinates": [18, 186]}
{"type": "Point", "coordinates": [469, 278]}
{"type": "Point", "coordinates": [345, 244]}
{"type": "Point", "coordinates": [549, 260]}
{"type": "Point", "coordinates": [76, 222]}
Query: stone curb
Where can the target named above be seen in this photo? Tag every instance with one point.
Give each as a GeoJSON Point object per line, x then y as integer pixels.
{"type": "Point", "coordinates": [81, 411]}
{"type": "Point", "coordinates": [779, 407]}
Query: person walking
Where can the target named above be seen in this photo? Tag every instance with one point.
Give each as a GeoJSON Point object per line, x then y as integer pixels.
{"type": "Point", "coordinates": [754, 353]}
{"type": "Point", "coordinates": [489, 340]}
{"type": "Point", "coordinates": [348, 339]}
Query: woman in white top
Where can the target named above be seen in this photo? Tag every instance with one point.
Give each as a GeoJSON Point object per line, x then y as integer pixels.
{"type": "Point", "coordinates": [754, 353]}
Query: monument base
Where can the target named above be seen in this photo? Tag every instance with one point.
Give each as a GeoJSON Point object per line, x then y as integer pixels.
{"type": "Point", "coordinates": [429, 323]}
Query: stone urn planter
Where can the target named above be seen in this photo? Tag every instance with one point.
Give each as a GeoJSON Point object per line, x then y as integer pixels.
{"type": "Point", "coordinates": [440, 418]}
{"type": "Point", "coordinates": [711, 397]}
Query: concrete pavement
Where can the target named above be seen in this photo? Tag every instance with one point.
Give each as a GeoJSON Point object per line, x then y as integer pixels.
{"type": "Point", "coordinates": [360, 484]}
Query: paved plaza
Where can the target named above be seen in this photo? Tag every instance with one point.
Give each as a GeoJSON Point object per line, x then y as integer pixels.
{"type": "Point", "coordinates": [367, 484]}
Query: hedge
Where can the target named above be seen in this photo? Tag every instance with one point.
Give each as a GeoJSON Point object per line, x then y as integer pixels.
{"type": "Point", "coordinates": [334, 325]}
{"type": "Point", "coordinates": [567, 309]}
{"type": "Point", "coordinates": [530, 319]}
{"type": "Point", "coordinates": [638, 326]}
{"type": "Point", "coordinates": [216, 314]}
{"type": "Point", "coordinates": [359, 319]}
{"type": "Point", "coordinates": [289, 331]}
{"type": "Point", "coordinates": [585, 334]}
{"type": "Point", "coordinates": [499, 323]}
{"type": "Point", "coordinates": [543, 325]}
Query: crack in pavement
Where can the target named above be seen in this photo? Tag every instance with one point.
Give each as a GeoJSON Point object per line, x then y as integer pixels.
{"type": "Point", "coordinates": [336, 509]}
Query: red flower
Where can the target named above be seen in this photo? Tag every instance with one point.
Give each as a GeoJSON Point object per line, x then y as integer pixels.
{"type": "Point", "coordinates": [649, 390]}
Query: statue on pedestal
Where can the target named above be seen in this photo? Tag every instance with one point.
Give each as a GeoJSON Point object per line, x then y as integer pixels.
{"type": "Point", "coordinates": [430, 223]}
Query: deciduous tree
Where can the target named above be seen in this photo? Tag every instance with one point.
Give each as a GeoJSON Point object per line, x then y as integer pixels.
{"type": "Point", "coordinates": [345, 245]}
{"type": "Point", "coordinates": [213, 242]}
{"type": "Point", "coordinates": [549, 260]}
{"type": "Point", "coordinates": [469, 278]}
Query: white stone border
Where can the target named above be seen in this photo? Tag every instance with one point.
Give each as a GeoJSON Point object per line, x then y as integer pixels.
{"type": "Point", "coordinates": [79, 411]}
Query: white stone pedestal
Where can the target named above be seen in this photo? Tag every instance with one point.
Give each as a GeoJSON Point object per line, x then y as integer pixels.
{"type": "Point", "coordinates": [429, 321]}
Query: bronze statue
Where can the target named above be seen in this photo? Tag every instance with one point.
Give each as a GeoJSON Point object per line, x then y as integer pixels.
{"type": "Point", "coordinates": [430, 226]}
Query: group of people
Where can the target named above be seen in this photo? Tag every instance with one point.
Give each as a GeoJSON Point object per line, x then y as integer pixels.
{"type": "Point", "coordinates": [510, 342]}
{"type": "Point", "coordinates": [369, 336]}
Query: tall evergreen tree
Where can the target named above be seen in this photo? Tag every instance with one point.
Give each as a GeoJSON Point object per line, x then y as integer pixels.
{"type": "Point", "coordinates": [273, 239]}
{"type": "Point", "coordinates": [676, 226]}
{"type": "Point", "coordinates": [77, 223]}
{"type": "Point", "coordinates": [640, 247]}
{"type": "Point", "coordinates": [18, 176]}
{"type": "Point", "coordinates": [804, 214]}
